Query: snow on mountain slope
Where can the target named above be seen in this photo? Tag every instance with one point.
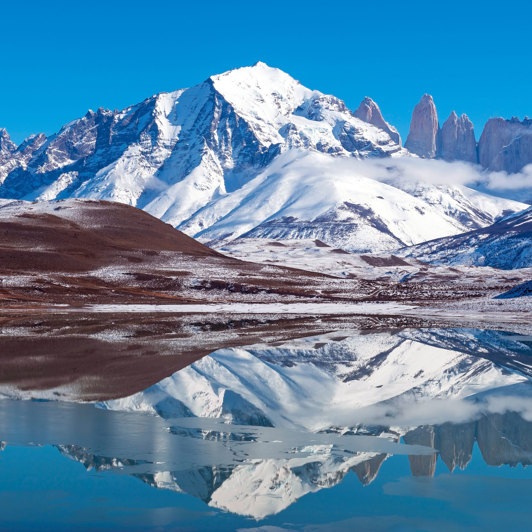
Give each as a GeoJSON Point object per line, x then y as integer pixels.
{"type": "Point", "coordinates": [265, 487]}
{"type": "Point", "coordinates": [505, 244]}
{"type": "Point", "coordinates": [200, 142]}
{"type": "Point", "coordinates": [314, 196]}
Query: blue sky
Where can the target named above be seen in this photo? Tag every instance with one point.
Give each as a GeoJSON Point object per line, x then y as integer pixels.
{"type": "Point", "coordinates": [59, 59]}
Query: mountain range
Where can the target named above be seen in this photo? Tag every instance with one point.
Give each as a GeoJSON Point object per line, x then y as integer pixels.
{"type": "Point", "coordinates": [253, 153]}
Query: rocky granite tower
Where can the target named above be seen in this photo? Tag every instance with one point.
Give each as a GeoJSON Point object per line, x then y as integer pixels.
{"type": "Point", "coordinates": [424, 127]}
{"type": "Point", "coordinates": [369, 111]}
{"type": "Point", "coordinates": [457, 140]}
{"type": "Point", "coordinates": [506, 144]}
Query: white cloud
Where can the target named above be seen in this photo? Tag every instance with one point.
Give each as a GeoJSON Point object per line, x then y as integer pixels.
{"type": "Point", "coordinates": [432, 171]}
{"type": "Point", "coordinates": [439, 172]}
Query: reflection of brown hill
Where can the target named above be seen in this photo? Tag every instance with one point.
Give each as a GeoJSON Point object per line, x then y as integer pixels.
{"type": "Point", "coordinates": [101, 357]}
{"type": "Point", "coordinates": [505, 439]}
{"type": "Point", "coordinates": [367, 471]}
{"type": "Point", "coordinates": [455, 443]}
{"type": "Point", "coordinates": [422, 466]}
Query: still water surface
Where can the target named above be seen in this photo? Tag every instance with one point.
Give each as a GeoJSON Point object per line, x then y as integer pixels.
{"type": "Point", "coordinates": [409, 429]}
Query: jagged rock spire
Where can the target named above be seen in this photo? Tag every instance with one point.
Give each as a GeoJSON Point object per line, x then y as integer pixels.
{"type": "Point", "coordinates": [424, 127]}
{"type": "Point", "coordinates": [457, 139]}
{"type": "Point", "coordinates": [369, 111]}
{"type": "Point", "coordinates": [7, 146]}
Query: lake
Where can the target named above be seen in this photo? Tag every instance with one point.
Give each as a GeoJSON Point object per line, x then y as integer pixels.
{"type": "Point", "coordinates": [355, 428]}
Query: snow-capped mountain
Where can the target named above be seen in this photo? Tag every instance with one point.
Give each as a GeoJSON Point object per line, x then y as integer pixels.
{"type": "Point", "coordinates": [314, 196]}
{"type": "Point", "coordinates": [506, 245]}
{"type": "Point", "coordinates": [196, 142]}
{"type": "Point", "coordinates": [248, 151]}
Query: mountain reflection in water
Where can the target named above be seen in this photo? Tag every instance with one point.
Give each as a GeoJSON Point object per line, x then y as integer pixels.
{"type": "Point", "coordinates": [252, 430]}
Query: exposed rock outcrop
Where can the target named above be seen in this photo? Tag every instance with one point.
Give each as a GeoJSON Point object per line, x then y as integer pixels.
{"type": "Point", "coordinates": [422, 465]}
{"type": "Point", "coordinates": [7, 147]}
{"type": "Point", "coordinates": [457, 139]}
{"type": "Point", "coordinates": [368, 470]}
{"type": "Point", "coordinates": [17, 159]}
{"type": "Point", "coordinates": [369, 111]}
{"type": "Point", "coordinates": [455, 443]}
{"type": "Point", "coordinates": [505, 439]}
{"type": "Point", "coordinates": [506, 144]}
{"type": "Point", "coordinates": [424, 127]}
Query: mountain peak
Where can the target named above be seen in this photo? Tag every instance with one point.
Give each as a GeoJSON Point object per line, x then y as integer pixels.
{"type": "Point", "coordinates": [506, 144]}
{"type": "Point", "coordinates": [257, 69]}
{"type": "Point", "coordinates": [457, 139]}
{"type": "Point", "coordinates": [424, 127]}
{"type": "Point", "coordinates": [6, 144]}
{"type": "Point", "coordinates": [369, 111]}
{"type": "Point", "coordinates": [261, 64]}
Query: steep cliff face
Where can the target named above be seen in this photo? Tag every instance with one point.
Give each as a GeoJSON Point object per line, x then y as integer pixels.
{"type": "Point", "coordinates": [457, 139]}
{"type": "Point", "coordinates": [13, 159]}
{"type": "Point", "coordinates": [424, 127]}
{"type": "Point", "coordinates": [7, 147]}
{"type": "Point", "coordinates": [506, 144]}
{"type": "Point", "coordinates": [369, 111]}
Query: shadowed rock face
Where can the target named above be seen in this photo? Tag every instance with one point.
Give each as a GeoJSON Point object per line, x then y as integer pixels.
{"type": "Point", "coordinates": [422, 138]}
{"type": "Point", "coordinates": [457, 139]}
{"type": "Point", "coordinates": [422, 466]}
{"type": "Point", "coordinates": [6, 145]}
{"type": "Point", "coordinates": [505, 439]}
{"type": "Point", "coordinates": [501, 438]}
{"type": "Point", "coordinates": [506, 144]}
{"type": "Point", "coordinates": [369, 111]}
{"type": "Point", "coordinates": [13, 158]}
{"type": "Point", "coordinates": [368, 470]}
{"type": "Point", "coordinates": [455, 443]}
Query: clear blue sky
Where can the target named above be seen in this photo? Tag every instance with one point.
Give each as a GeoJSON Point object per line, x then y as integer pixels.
{"type": "Point", "coordinates": [60, 58]}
